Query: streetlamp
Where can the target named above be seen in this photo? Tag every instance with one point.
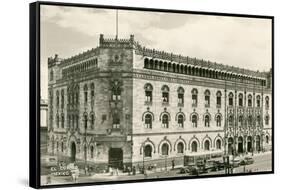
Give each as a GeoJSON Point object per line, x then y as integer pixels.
{"type": "Point", "coordinates": [85, 146]}
{"type": "Point", "coordinates": [143, 168]}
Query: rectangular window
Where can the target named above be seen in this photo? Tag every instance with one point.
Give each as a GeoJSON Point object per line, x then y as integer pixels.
{"type": "Point", "coordinates": [258, 103]}
{"type": "Point", "coordinates": [207, 100]}
{"type": "Point", "coordinates": [240, 103]}
{"type": "Point", "coordinates": [86, 96]}
{"type": "Point", "coordinates": [250, 103]}
{"type": "Point", "coordinates": [218, 101]}
{"type": "Point", "coordinates": [148, 96]}
{"type": "Point", "coordinates": [194, 100]}
{"type": "Point", "coordinates": [180, 99]}
{"type": "Point", "coordinates": [230, 102]}
{"type": "Point", "coordinates": [165, 97]}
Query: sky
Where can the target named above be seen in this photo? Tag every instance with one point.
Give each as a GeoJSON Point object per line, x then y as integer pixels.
{"type": "Point", "coordinates": [242, 42]}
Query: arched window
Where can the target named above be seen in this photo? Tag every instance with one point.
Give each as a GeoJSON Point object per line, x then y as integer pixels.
{"type": "Point", "coordinates": [58, 145]}
{"type": "Point", "coordinates": [266, 139]}
{"type": "Point", "coordinates": [258, 120]}
{"type": "Point", "coordinates": [218, 120]}
{"type": "Point", "coordinates": [266, 119]}
{"type": "Point", "coordinates": [194, 146]}
{"type": "Point", "coordinates": [250, 120]}
{"type": "Point", "coordinates": [51, 75]}
{"type": "Point", "coordinates": [266, 102]}
{"type": "Point", "coordinates": [219, 99]}
{"type": "Point", "coordinates": [62, 146]}
{"type": "Point", "coordinates": [146, 63]}
{"type": "Point", "coordinates": [165, 149]}
{"type": "Point", "coordinates": [116, 121]}
{"type": "Point", "coordinates": [58, 121]}
{"type": "Point", "coordinates": [240, 99]}
{"type": "Point", "coordinates": [62, 98]}
{"type": "Point", "coordinates": [240, 120]}
{"type": "Point", "coordinates": [218, 144]}
{"type": "Point", "coordinates": [249, 100]}
{"type": "Point", "coordinates": [230, 121]}
{"type": "Point", "coordinates": [148, 92]}
{"type": "Point", "coordinates": [165, 94]}
{"type": "Point", "coordinates": [258, 101]}
{"type": "Point", "coordinates": [85, 93]}
{"type": "Point", "coordinates": [194, 120]}
{"type": "Point", "coordinates": [58, 98]}
{"type": "Point", "coordinates": [207, 98]}
{"type": "Point", "coordinates": [165, 121]}
{"type": "Point", "coordinates": [92, 151]}
{"type": "Point", "coordinates": [85, 121]}
{"type": "Point", "coordinates": [194, 93]}
{"type": "Point", "coordinates": [180, 96]}
{"type": "Point", "coordinates": [92, 120]}
{"type": "Point", "coordinates": [147, 151]}
{"type": "Point", "coordinates": [62, 121]}
{"type": "Point", "coordinates": [148, 121]}
{"type": "Point", "coordinates": [85, 151]}
{"type": "Point", "coordinates": [180, 120]}
{"type": "Point", "coordinates": [207, 145]}
{"type": "Point", "coordinates": [207, 120]}
{"type": "Point", "coordinates": [230, 99]}
{"type": "Point", "coordinates": [116, 93]}
{"type": "Point", "coordinates": [92, 93]}
{"type": "Point", "coordinates": [180, 147]}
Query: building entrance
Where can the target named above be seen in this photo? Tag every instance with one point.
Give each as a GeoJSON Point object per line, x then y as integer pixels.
{"type": "Point", "coordinates": [73, 152]}
{"type": "Point", "coordinates": [115, 158]}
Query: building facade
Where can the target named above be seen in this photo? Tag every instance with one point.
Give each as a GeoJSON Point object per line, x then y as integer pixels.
{"type": "Point", "coordinates": [124, 104]}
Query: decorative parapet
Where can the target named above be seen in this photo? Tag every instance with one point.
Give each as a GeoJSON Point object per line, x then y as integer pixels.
{"type": "Point", "coordinates": [131, 43]}
{"type": "Point", "coordinates": [116, 42]}
{"type": "Point", "coordinates": [153, 53]}
{"type": "Point", "coordinates": [80, 57]}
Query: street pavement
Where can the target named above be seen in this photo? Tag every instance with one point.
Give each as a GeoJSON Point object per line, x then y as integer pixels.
{"type": "Point", "coordinates": [262, 162]}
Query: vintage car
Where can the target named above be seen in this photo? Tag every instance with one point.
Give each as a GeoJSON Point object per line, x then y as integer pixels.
{"type": "Point", "coordinates": [247, 161]}
{"type": "Point", "coordinates": [235, 162]}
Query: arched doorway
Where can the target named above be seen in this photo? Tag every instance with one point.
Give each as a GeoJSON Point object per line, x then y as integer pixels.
{"type": "Point", "coordinates": [240, 144]}
{"type": "Point", "coordinates": [115, 158]}
{"type": "Point", "coordinates": [230, 145]}
{"type": "Point", "coordinates": [249, 144]}
{"type": "Point", "coordinates": [258, 143]}
{"type": "Point", "coordinates": [72, 152]}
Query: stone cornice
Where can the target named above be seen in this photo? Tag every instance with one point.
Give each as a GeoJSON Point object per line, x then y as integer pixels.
{"type": "Point", "coordinates": [176, 132]}
{"type": "Point", "coordinates": [167, 77]}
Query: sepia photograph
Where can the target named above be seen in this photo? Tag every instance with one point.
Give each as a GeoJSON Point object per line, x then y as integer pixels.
{"type": "Point", "coordinates": [130, 94]}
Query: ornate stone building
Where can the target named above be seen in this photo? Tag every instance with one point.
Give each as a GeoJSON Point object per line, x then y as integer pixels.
{"type": "Point", "coordinates": [123, 104]}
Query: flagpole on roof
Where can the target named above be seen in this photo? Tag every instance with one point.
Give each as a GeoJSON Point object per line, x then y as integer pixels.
{"type": "Point", "coordinates": [116, 23]}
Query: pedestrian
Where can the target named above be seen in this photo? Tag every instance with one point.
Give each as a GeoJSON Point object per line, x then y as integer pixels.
{"type": "Point", "coordinates": [110, 170]}
{"type": "Point", "coordinates": [129, 170]}
{"type": "Point", "coordinates": [117, 171]}
{"type": "Point", "coordinates": [173, 164]}
{"type": "Point", "coordinates": [48, 179]}
{"type": "Point", "coordinates": [134, 170]}
{"type": "Point", "coordinates": [76, 173]}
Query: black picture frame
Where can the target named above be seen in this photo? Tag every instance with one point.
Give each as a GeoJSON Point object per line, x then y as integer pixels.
{"type": "Point", "coordinates": [34, 91]}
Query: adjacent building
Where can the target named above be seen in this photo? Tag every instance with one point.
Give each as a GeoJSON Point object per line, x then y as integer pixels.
{"type": "Point", "coordinates": [124, 104]}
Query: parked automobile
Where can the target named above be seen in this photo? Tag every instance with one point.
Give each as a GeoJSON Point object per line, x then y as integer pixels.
{"type": "Point", "coordinates": [195, 170]}
{"type": "Point", "coordinates": [247, 161]}
{"type": "Point", "coordinates": [220, 165]}
{"type": "Point", "coordinates": [211, 165]}
{"type": "Point", "coordinates": [235, 162]}
{"type": "Point", "coordinates": [184, 170]}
